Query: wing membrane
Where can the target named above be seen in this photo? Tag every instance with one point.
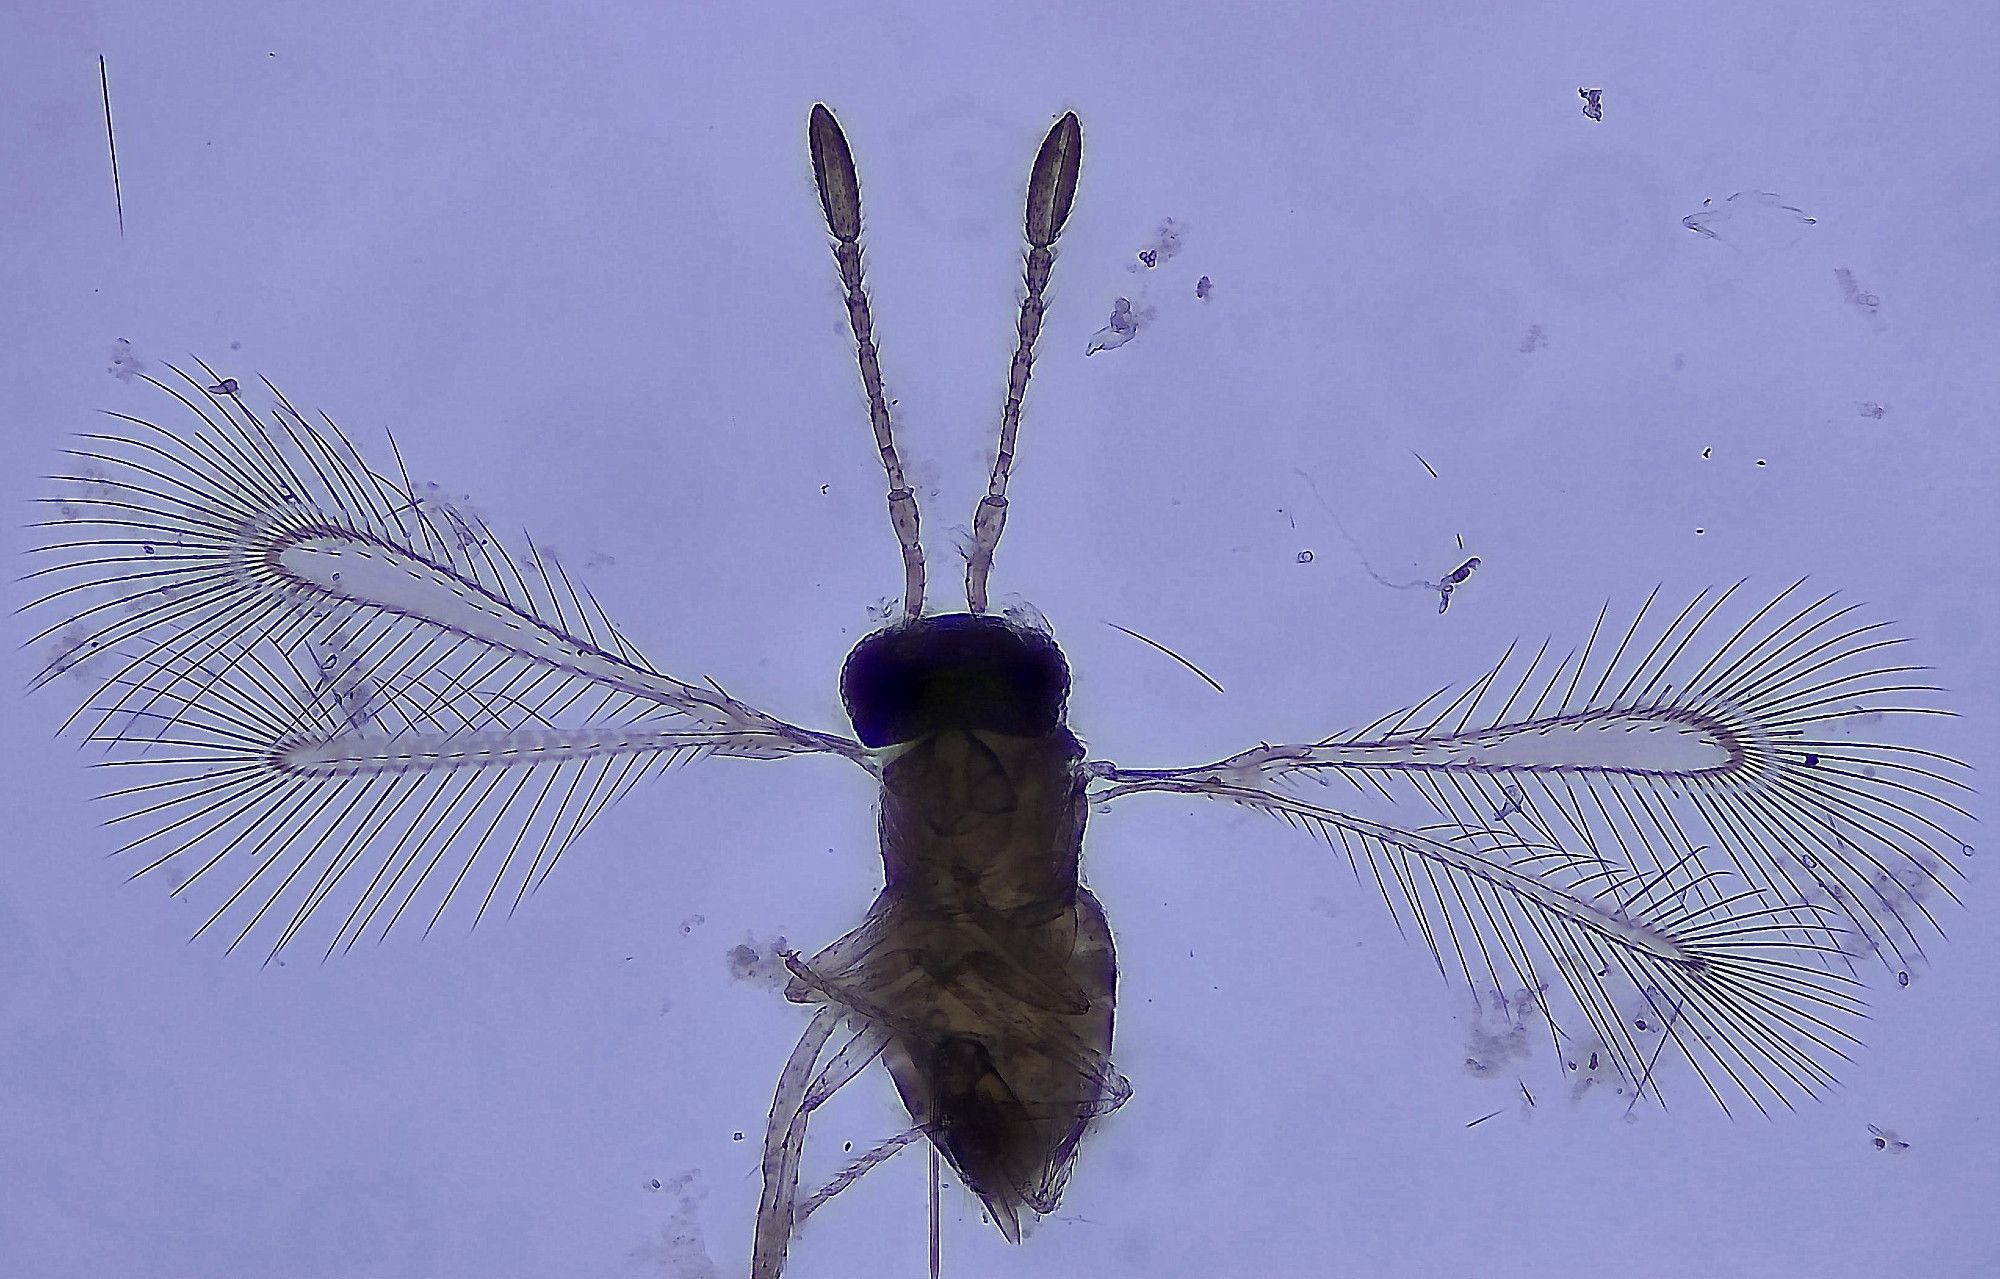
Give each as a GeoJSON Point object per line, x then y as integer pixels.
{"type": "Point", "coordinates": [324, 691]}
{"type": "Point", "coordinates": [1691, 829]}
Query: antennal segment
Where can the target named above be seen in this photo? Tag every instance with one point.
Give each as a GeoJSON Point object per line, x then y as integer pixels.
{"type": "Point", "coordinates": [840, 196]}
{"type": "Point", "coordinates": [1051, 190]}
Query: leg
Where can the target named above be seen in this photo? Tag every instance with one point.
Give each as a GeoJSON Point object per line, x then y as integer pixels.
{"type": "Point", "coordinates": [934, 1213]}
{"type": "Point", "coordinates": [800, 1092]}
{"type": "Point", "coordinates": [784, 1137]}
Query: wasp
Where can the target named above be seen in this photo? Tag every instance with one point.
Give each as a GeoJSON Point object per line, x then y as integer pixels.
{"type": "Point", "coordinates": [335, 704]}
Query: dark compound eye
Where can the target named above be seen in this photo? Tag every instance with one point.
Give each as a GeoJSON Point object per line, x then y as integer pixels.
{"type": "Point", "coordinates": [956, 670]}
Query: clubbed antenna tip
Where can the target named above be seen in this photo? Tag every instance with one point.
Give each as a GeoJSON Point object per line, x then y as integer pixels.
{"type": "Point", "coordinates": [1052, 189]}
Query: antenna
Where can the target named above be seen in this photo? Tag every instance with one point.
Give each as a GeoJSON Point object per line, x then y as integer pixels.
{"type": "Point", "coordinates": [840, 197]}
{"type": "Point", "coordinates": [1051, 190]}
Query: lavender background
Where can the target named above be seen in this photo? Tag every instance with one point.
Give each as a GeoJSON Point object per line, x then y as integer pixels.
{"type": "Point", "coordinates": [575, 263]}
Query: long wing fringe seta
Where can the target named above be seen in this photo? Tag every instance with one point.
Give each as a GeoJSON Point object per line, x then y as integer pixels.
{"type": "Point", "coordinates": [329, 697]}
{"type": "Point", "coordinates": [316, 685]}
{"type": "Point", "coordinates": [1675, 840]}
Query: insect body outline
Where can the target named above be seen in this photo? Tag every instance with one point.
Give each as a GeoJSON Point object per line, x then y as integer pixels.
{"type": "Point", "coordinates": [1624, 826]}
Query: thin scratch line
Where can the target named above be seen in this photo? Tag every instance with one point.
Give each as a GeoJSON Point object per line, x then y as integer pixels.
{"type": "Point", "coordinates": [1482, 1119]}
{"type": "Point", "coordinates": [117, 191]}
{"type": "Point", "coordinates": [1427, 465]}
{"type": "Point", "coordinates": [1355, 546]}
{"type": "Point", "coordinates": [1170, 653]}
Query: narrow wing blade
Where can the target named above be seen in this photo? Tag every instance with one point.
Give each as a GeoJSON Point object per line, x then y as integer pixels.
{"type": "Point", "coordinates": [1692, 828]}
{"type": "Point", "coordinates": [326, 695]}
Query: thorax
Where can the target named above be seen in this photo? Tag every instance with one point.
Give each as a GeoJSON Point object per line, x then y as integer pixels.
{"type": "Point", "coordinates": [984, 822]}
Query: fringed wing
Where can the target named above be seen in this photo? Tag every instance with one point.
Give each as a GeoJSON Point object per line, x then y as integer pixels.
{"type": "Point", "coordinates": [1691, 829]}
{"type": "Point", "coordinates": [327, 695]}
